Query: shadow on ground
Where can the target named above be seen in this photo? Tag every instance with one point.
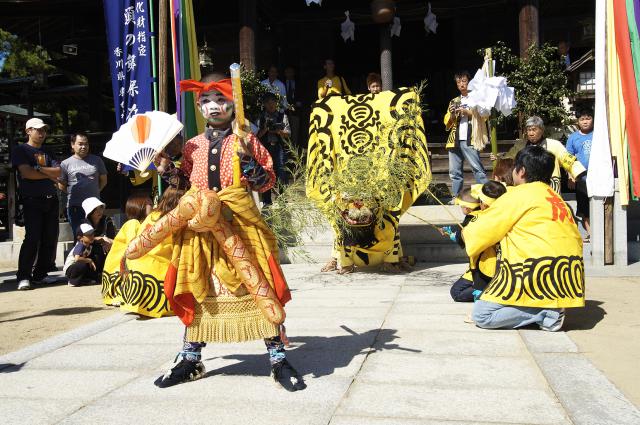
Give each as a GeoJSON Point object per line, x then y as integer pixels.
{"type": "Point", "coordinates": [10, 367]}
{"type": "Point", "coordinates": [57, 312]}
{"type": "Point", "coordinates": [10, 285]}
{"type": "Point", "coordinates": [580, 319]}
{"type": "Point", "coordinates": [317, 355]}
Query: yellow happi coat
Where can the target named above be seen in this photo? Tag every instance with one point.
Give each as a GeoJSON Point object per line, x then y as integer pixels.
{"type": "Point", "coordinates": [564, 159]}
{"type": "Point", "coordinates": [541, 249]}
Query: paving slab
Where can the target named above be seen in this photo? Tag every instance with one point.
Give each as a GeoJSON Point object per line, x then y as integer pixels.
{"type": "Point", "coordinates": [544, 342]}
{"type": "Point", "coordinates": [587, 395]}
{"type": "Point", "coordinates": [105, 356]}
{"type": "Point", "coordinates": [453, 371]}
{"type": "Point", "coordinates": [369, 420]}
{"type": "Point", "coordinates": [235, 412]}
{"type": "Point", "coordinates": [82, 385]}
{"type": "Point", "coordinates": [462, 343]}
{"type": "Point", "coordinates": [373, 348]}
{"type": "Point", "coordinates": [531, 406]}
{"type": "Point", "coordinates": [37, 411]}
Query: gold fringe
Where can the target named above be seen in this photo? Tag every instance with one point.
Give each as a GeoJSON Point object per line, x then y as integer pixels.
{"type": "Point", "coordinates": [229, 319]}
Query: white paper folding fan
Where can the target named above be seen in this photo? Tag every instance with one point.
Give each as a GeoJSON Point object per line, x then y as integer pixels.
{"type": "Point", "coordinates": [139, 140]}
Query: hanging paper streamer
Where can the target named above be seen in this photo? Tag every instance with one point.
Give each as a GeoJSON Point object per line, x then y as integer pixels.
{"type": "Point", "coordinates": [347, 28]}
{"type": "Point", "coordinates": [430, 22]}
{"type": "Point", "coordinates": [129, 57]}
{"type": "Point", "coordinates": [491, 92]}
{"type": "Point", "coordinates": [396, 27]}
{"type": "Point", "coordinates": [600, 176]}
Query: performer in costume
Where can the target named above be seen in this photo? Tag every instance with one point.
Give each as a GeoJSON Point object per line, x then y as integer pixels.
{"type": "Point", "coordinates": [141, 291]}
{"type": "Point", "coordinates": [224, 281]}
{"type": "Point", "coordinates": [541, 269]}
{"type": "Point", "coordinates": [367, 163]}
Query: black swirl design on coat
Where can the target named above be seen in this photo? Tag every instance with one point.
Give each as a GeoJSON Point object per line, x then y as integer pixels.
{"type": "Point", "coordinates": [138, 289]}
{"type": "Point", "coordinates": [544, 278]}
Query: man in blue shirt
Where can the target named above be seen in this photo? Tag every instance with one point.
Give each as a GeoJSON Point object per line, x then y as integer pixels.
{"type": "Point", "coordinates": [38, 172]}
{"type": "Point", "coordinates": [579, 144]}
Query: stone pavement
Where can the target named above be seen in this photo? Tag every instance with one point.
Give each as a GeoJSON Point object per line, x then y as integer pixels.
{"type": "Point", "coordinates": [375, 349]}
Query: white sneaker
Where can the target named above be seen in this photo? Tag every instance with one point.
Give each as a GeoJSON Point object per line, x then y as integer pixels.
{"type": "Point", "coordinates": [557, 325]}
{"type": "Point", "coordinates": [24, 285]}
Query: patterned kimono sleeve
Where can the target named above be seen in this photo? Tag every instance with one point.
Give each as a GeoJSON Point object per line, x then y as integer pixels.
{"type": "Point", "coordinates": [186, 166]}
{"type": "Point", "coordinates": [492, 224]}
{"type": "Point", "coordinates": [179, 176]}
{"type": "Point", "coordinates": [263, 158]}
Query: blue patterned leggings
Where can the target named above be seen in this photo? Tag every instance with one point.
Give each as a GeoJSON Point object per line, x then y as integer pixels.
{"type": "Point", "coordinates": [192, 351]}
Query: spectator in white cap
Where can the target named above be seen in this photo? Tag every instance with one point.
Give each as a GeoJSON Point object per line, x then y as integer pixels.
{"type": "Point", "coordinates": [105, 230]}
{"type": "Point", "coordinates": [80, 266]}
{"type": "Point", "coordinates": [38, 172]}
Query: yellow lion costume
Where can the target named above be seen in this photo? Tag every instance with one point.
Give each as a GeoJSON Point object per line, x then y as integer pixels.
{"type": "Point", "coordinates": [367, 163]}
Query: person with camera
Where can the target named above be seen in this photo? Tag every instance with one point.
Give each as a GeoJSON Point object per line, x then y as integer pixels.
{"type": "Point", "coordinates": [38, 172]}
{"type": "Point", "coordinates": [462, 143]}
{"type": "Point", "coordinates": [274, 129]}
{"type": "Point", "coordinates": [331, 84]}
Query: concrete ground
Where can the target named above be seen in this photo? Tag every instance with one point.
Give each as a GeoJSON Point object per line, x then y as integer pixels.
{"type": "Point", "coordinates": [374, 349]}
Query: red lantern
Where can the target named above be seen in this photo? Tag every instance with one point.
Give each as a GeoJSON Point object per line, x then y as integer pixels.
{"type": "Point", "coordinates": [382, 11]}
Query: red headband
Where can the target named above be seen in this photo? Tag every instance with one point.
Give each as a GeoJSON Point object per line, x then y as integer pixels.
{"type": "Point", "coordinates": [223, 86]}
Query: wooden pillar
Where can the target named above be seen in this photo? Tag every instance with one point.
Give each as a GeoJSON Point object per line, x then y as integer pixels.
{"type": "Point", "coordinates": [163, 58]}
{"type": "Point", "coordinates": [386, 62]}
{"type": "Point", "coordinates": [247, 33]}
{"type": "Point", "coordinates": [608, 231]}
{"type": "Point", "coordinates": [528, 25]}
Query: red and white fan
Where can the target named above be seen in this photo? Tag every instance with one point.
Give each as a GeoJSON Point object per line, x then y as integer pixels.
{"type": "Point", "coordinates": [140, 139]}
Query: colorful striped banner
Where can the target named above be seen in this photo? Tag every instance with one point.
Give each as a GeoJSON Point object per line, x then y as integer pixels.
{"type": "Point", "coordinates": [185, 65]}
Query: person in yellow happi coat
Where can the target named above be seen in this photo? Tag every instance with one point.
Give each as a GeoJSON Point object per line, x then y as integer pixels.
{"type": "Point", "coordinates": [562, 158]}
{"type": "Point", "coordinates": [541, 270]}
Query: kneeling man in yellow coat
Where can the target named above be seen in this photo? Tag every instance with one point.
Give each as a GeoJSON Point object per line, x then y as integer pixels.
{"type": "Point", "coordinates": [540, 268]}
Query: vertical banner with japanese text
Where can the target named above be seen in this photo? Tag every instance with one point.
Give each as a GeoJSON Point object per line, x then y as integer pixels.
{"type": "Point", "coordinates": [129, 49]}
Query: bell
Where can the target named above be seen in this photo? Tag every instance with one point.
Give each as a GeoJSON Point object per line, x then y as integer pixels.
{"type": "Point", "coordinates": [383, 11]}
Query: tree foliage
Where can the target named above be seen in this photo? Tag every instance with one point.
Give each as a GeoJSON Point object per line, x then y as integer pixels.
{"type": "Point", "coordinates": [539, 80]}
{"type": "Point", "coordinates": [21, 58]}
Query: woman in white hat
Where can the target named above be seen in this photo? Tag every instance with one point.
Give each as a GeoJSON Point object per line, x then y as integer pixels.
{"type": "Point", "coordinates": [105, 230]}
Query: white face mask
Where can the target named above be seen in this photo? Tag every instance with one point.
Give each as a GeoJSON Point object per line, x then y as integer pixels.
{"type": "Point", "coordinates": [215, 108]}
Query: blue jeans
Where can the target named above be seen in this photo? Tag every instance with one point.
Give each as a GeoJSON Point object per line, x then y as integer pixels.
{"type": "Point", "coordinates": [75, 215]}
{"type": "Point", "coordinates": [489, 315]}
{"type": "Point", "coordinates": [279, 160]}
{"type": "Point", "coordinates": [457, 155]}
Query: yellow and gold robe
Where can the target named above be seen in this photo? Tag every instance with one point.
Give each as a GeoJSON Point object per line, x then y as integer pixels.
{"type": "Point", "coordinates": [541, 261]}
{"type": "Point", "coordinates": [142, 291]}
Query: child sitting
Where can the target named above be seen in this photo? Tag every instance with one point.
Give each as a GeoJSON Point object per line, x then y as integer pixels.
{"type": "Point", "coordinates": [481, 269]}
{"type": "Point", "coordinates": [80, 267]}
{"type": "Point", "coordinates": [503, 170]}
{"type": "Point", "coordinates": [462, 289]}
